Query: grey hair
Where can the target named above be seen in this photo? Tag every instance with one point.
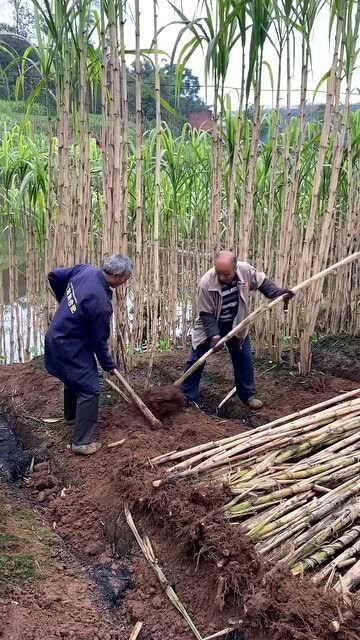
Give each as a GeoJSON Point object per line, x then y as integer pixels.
{"type": "Point", "coordinates": [118, 265]}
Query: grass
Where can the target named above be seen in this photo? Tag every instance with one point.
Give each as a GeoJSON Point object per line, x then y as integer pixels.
{"type": "Point", "coordinates": [17, 570]}
{"type": "Point", "coordinates": [9, 543]}
{"type": "Point", "coordinates": [30, 523]}
{"type": "Point", "coordinates": [26, 545]}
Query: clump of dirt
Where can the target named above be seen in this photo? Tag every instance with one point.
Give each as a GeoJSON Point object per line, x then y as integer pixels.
{"type": "Point", "coordinates": [31, 389]}
{"type": "Point", "coordinates": [164, 402]}
{"type": "Point", "coordinates": [281, 608]}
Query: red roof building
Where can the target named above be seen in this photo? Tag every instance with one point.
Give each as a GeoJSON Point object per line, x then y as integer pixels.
{"type": "Point", "coordinates": [201, 120]}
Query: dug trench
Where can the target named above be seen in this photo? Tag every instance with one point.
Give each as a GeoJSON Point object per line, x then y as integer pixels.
{"type": "Point", "coordinates": [91, 580]}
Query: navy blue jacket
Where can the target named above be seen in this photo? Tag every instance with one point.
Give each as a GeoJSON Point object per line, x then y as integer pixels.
{"type": "Point", "coordinates": [80, 327]}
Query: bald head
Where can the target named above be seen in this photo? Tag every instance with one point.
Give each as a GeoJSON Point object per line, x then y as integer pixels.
{"type": "Point", "coordinates": [225, 266]}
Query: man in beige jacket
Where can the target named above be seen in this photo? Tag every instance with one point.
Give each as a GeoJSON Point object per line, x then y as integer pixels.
{"type": "Point", "coordinates": [223, 302]}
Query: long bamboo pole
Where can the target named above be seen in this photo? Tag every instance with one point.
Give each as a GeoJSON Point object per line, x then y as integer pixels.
{"type": "Point", "coordinates": [261, 309]}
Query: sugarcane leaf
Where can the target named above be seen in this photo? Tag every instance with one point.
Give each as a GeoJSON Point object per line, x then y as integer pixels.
{"type": "Point", "coordinates": [325, 77]}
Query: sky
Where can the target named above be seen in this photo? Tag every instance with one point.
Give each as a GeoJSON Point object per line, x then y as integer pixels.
{"type": "Point", "coordinates": [320, 47]}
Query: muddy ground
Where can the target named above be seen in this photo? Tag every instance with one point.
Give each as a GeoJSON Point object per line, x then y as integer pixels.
{"type": "Point", "coordinates": [69, 565]}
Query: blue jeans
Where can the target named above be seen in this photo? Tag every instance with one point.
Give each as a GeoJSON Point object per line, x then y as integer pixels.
{"type": "Point", "coordinates": [242, 361]}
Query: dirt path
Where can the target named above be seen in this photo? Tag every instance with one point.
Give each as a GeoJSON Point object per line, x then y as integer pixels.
{"type": "Point", "coordinates": [218, 578]}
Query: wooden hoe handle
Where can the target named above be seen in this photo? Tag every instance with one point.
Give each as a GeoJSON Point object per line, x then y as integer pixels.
{"type": "Point", "coordinates": [139, 403]}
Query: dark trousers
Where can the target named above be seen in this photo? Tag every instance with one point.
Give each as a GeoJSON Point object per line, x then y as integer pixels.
{"type": "Point", "coordinates": [242, 361]}
{"type": "Point", "coordinates": [84, 409]}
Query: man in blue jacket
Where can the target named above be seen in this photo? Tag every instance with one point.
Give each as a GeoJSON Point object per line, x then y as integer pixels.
{"type": "Point", "coordinates": [80, 331]}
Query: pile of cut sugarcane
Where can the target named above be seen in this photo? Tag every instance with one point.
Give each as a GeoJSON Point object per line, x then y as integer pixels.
{"type": "Point", "coordinates": [296, 487]}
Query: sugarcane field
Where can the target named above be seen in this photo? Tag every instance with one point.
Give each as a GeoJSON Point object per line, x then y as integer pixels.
{"type": "Point", "coordinates": [180, 320]}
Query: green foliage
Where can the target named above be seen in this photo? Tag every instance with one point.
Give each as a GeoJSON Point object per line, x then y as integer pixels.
{"type": "Point", "coordinates": [184, 103]}
{"type": "Point", "coordinates": [315, 337]}
{"type": "Point", "coordinates": [23, 178]}
{"type": "Point", "coordinates": [185, 175]}
{"type": "Point", "coordinates": [18, 107]}
{"type": "Point", "coordinates": [163, 345]}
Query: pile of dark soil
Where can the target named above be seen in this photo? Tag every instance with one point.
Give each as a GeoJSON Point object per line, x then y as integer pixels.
{"type": "Point", "coordinates": [164, 402]}
{"type": "Point", "coordinates": [338, 355]}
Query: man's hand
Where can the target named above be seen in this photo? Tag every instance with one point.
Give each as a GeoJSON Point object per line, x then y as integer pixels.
{"type": "Point", "coordinates": [213, 343]}
{"type": "Point", "coordinates": [271, 291]}
{"type": "Point", "coordinates": [288, 295]}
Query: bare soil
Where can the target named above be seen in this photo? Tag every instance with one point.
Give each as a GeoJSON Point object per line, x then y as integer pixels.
{"type": "Point", "coordinates": [103, 581]}
{"type": "Point", "coordinates": [44, 592]}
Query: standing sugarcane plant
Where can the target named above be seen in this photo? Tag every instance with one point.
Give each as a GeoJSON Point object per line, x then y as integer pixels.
{"type": "Point", "coordinates": [157, 202]}
{"type": "Point", "coordinates": [283, 190]}
{"type": "Point", "coordinates": [138, 228]}
{"type": "Point", "coordinates": [348, 30]}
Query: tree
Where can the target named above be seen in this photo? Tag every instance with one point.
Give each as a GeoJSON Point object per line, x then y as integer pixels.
{"type": "Point", "coordinates": [14, 40]}
{"type": "Point", "coordinates": [23, 18]}
{"type": "Point", "coordinates": [183, 102]}
{"type": "Point", "coordinates": [12, 49]}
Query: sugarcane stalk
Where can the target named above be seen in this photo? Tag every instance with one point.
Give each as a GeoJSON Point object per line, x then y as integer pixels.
{"type": "Point", "coordinates": [347, 554]}
{"type": "Point", "coordinates": [340, 469]}
{"type": "Point", "coordinates": [148, 552]}
{"type": "Point", "coordinates": [340, 447]}
{"type": "Point", "coordinates": [254, 526]}
{"type": "Point", "coordinates": [305, 516]}
{"type": "Point", "coordinates": [247, 505]}
{"type": "Point", "coordinates": [313, 471]}
{"type": "Point", "coordinates": [136, 631]}
{"type": "Point", "coordinates": [311, 542]}
{"type": "Point", "coordinates": [257, 470]}
{"type": "Point", "coordinates": [326, 552]}
{"type": "Point", "coordinates": [346, 563]}
{"type": "Point", "coordinates": [284, 533]}
{"type": "Point", "coordinates": [244, 441]}
{"type": "Point", "coordinates": [250, 442]}
{"type": "Point", "coordinates": [284, 507]}
{"type": "Point", "coordinates": [350, 580]}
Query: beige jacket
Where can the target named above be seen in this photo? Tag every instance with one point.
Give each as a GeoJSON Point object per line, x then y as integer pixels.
{"type": "Point", "coordinates": [210, 299]}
